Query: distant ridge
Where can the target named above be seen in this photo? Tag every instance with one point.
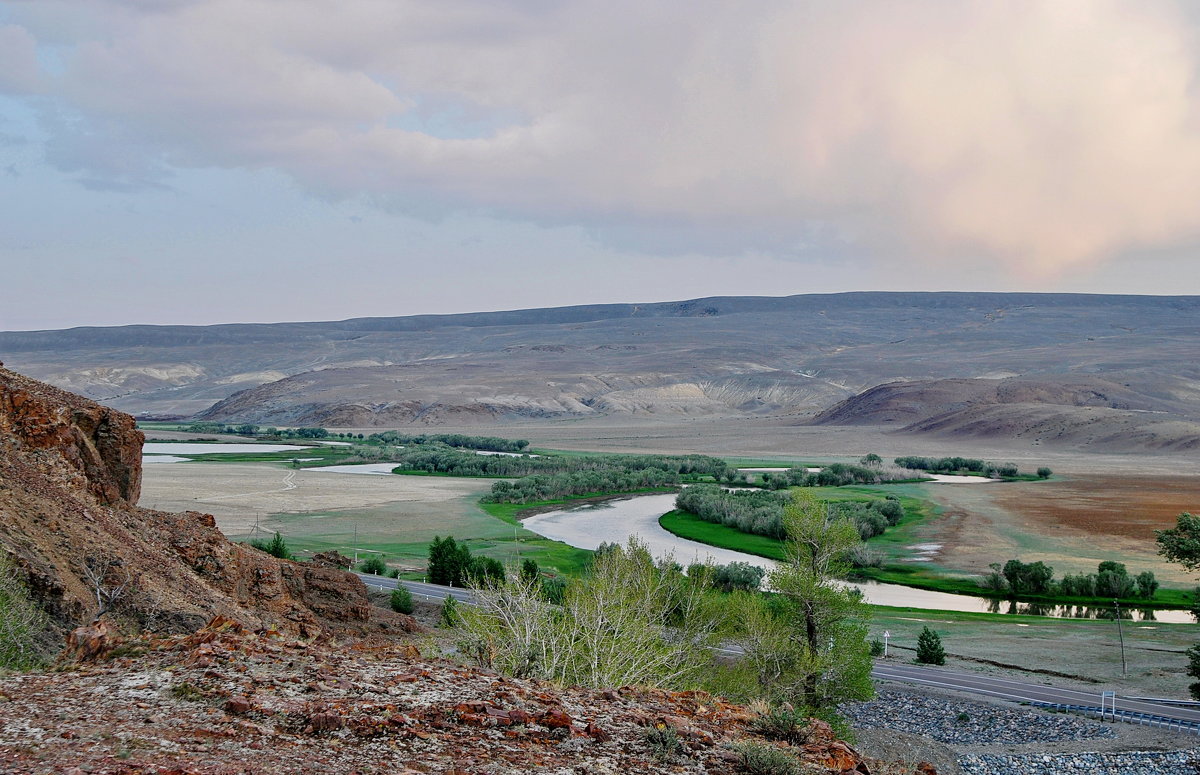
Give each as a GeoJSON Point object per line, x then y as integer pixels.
{"type": "Point", "coordinates": [790, 357]}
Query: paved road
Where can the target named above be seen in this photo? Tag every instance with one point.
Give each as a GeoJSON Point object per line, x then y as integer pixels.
{"type": "Point", "coordinates": [972, 683]}
{"type": "Point", "coordinates": [419, 588]}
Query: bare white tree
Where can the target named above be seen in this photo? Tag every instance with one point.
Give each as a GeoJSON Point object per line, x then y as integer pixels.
{"type": "Point", "coordinates": [109, 581]}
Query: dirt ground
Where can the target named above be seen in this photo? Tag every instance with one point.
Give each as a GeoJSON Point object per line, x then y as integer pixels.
{"type": "Point", "coordinates": [241, 494]}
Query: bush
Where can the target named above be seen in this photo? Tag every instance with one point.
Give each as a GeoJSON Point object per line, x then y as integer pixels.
{"type": "Point", "coordinates": [21, 621]}
{"type": "Point", "coordinates": [663, 741]}
{"type": "Point", "coordinates": [402, 600]}
{"type": "Point", "coordinates": [786, 724]}
{"type": "Point", "coordinates": [449, 617]}
{"type": "Point", "coordinates": [876, 647]}
{"type": "Point", "coordinates": [374, 565]}
{"type": "Point", "coordinates": [929, 648]}
{"type": "Point", "coordinates": [484, 571]}
{"type": "Point", "coordinates": [762, 759]}
{"type": "Point", "coordinates": [737, 575]}
{"type": "Point", "coordinates": [530, 572]}
{"type": "Point", "coordinates": [1044, 473]}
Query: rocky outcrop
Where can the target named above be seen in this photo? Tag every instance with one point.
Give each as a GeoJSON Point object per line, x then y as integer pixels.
{"type": "Point", "coordinates": [70, 475]}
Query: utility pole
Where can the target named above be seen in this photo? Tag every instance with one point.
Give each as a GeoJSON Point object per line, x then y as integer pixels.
{"type": "Point", "coordinates": [1121, 636]}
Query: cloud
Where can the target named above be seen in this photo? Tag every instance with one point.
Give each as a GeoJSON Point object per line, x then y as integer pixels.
{"type": "Point", "coordinates": [18, 61]}
{"type": "Point", "coordinates": [1042, 135]}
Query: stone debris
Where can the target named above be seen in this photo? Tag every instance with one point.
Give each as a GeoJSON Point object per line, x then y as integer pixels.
{"type": "Point", "coordinates": [226, 700]}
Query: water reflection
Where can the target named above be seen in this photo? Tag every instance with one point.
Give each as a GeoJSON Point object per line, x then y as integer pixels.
{"type": "Point", "coordinates": [997, 605]}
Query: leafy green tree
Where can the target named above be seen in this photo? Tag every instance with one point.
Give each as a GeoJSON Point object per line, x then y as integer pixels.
{"type": "Point", "coordinates": [929, 648]}
{"type": "Point", "coordinates": [484, 571]}
{"type": "Point", "coordinates": [1181, 543]}
{"type": "Point", "coordinates": [449, 562]}
{"type": "Point", "coordinates": [530, 572]}
{"type": "Point", "coordinates": [871, 459]}
{"type": "Point", "coordinates": [373, 564]}
{"type": "Point", "coordinates": [1044, 473]}
{"type": "Point", "coordinates": [1147, 584]}
{"type": "Point", "coordinates": [808, 643]}
{"type": "Point", "coordinates": [402, 600]}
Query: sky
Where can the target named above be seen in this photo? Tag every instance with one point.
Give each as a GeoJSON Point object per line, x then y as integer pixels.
{"type": "Point", "coordinates": [208, 161]}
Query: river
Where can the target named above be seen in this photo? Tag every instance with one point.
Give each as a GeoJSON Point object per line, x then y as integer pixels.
{"type": "Point", "coordinates": [614, 521]}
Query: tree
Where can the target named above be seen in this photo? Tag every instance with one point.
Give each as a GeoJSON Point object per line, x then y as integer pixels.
{"type": "Point", "coordinates": [1181, 543]}
{"type": "Point", "coordinates": [530, 572]}
{"type": "Point", "coordinates": [1044, 473]}
{"type": "Point", "coordinates": [402, 600]}
{"type": "Point", "coordinates": [1147, 584]}
{"type": "Point", "coordinates": [1193, 670]}
{"type": "Point", "coordinates": [808, 644]}
{"type": "Point", "coordinates": [929, 648]}
{"type": "Point", "coordinates": [871, 459]}
{"type": "Point", "coordinates": [276, 547]}
{"type": "Point", "coordinates": [449, 562]}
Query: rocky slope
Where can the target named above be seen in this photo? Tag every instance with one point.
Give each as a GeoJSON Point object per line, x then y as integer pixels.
{"type": "Point", "coordinates": [70, 474]}
{"type": "Point", "coordinates": [224, 700]}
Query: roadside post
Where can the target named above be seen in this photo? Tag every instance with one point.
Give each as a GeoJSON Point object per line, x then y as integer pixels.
{"type": "Point", "coordinates": [1108, 704]}
{"type": "Point", "coordinates": [886, 634]}
{"type": "Point", "coordinates": [1121, 636]}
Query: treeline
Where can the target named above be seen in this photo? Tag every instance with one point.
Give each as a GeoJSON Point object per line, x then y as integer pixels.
{"type": "Point", "coordinates": [1110, 581]}
{"type": "Point", "coordinates": [440, 459]}
{"type": "Point", "coordinates": [761, 513]}
{"type": "Point", "coordinates": [249, 429]}
{"type": "Point", "coordinates": [835, 475]}
{"type": "Point", "coordinates": [543, 487]}
{"type": "Point", "coordinates": [486, 443]}
{"type": "Point", "coordinates": [969, 465]}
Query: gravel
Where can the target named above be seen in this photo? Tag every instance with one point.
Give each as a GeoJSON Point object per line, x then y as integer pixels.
{"type": "Point", "coordinates": [1125, 763]}
{"type": "Point", "coordinates": [963, 722]}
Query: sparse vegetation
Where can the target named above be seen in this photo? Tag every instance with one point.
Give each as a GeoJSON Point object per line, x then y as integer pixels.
{"type": "Point", "coordinates": [21, 621]}
{"type": "Point", "coordinates": [761, 513]}
{"type": "Point", "coordinates": [763, 759]}
{"type": "Point", "coordinates": [1036, 579]}
{"type": "Point", "coordinates": [663, 741]}
{"type": "Point", "coordinates": [449, 616]}
{"type": "Point", "coordinates": [783, 723]}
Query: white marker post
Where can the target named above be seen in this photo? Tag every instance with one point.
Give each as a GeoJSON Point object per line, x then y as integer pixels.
{"type": "Point", "coordinates": [886, 635]}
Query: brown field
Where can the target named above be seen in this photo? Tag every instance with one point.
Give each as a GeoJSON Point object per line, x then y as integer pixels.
{"type": "Point", "coordinates": [1071, 524]}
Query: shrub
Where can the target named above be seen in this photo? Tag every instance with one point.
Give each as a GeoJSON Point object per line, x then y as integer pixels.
{"type": "Point", "coordinates": [484, 571]}
{"type": "Point", "coordinates": [530, 572]}
{"type": "Point", "coordinates": [737, 575]}
{"type": "Point", "coordinates": [402, 600]}
{"type": "Point", "coordinates": [762, 759]}
{"type": "Point", "coordinates": [876, 647]}
{"type": "Point", "coordinates": [21, 621]}
{"type": "Point", "coordinates": [663, 741]}
{"type": "Point", "coordinates": [1044, 473]}
{"type": "Point", "coordinates": [785, 723]}
{"type": "Point", "coordinates": [929, 648]}
{"type": "Point", "coordinates": [449, 617]}
{"type": "Point", "coordinates": [374, 565]}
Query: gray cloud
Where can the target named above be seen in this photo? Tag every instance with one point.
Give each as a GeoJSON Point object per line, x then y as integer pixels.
{"type": "Point", "coordinates": [1044, 135]}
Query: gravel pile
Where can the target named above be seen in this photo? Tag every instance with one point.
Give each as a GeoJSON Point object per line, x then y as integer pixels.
{"type": "Point", "coordinates": [1125, 763]}
{"type": "Point", "coordinates": [969, 723]}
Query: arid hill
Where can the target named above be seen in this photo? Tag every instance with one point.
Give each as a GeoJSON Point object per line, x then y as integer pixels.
{"type": "Point", "coordinates": [788, 358]}
{"type": "Point", "coordinates": [1078, 410]}
{"type": "Point", "coordinates": [70, 474]}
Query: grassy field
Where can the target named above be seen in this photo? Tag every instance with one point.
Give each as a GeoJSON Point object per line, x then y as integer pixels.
{"type": "Point", "coordinates": [1037, 648]}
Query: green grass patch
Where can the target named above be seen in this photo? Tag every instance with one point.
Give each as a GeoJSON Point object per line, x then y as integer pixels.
{"type": "Point", "coordinates": [687, 525]}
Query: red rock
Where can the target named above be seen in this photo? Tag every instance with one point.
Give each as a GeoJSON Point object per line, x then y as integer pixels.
{"type": "Point", "coordinates": [324, 722]}
{"type": "Point", "coordinates": [238, 706]}
{"type": "Point", "coordinates": [596, 733]}
{"type": "Point", "coordinates": [925, 768]}
{"type": "Point", "coordinates": [555, 718]}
